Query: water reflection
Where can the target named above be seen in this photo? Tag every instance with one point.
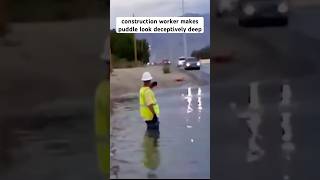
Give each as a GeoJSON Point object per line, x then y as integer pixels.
{"type": "Point", "coordinates": [189, 100]}
{"type": "Point", "coordinates": [189, 97]}
{"type": "Point", "coordinates": [286, 95]}
{"type": "Point", "coordinates": [254, 99]}
{"type": "Point", "coordinates": [253, 118]}
{"type": "Point", "coordinates": [151, 159]}
{"type": "Point", "coordinates": [255, 152]}
{"type": "Point", "coordinates": [287, 146]}
{"type": "Point", "coordinates": [199, 104]}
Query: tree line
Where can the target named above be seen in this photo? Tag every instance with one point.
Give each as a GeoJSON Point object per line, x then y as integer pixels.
{"type": "Point", "coordinates": [122, 46]}
{"type": "Point", "coordinates": [203, 53]}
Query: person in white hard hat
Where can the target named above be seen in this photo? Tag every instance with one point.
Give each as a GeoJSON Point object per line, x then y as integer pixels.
{"type": "Point", "coordinates": [149, 108]}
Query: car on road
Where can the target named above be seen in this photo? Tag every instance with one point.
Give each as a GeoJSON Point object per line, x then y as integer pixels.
{"type": "Point", "coordinates": [150, 64]}
{"type": "Point", "coordinates": [192, 63]}
{"type": "Point", "coordinates": [181, 61]}
{"type": "Point", "coordinates": [225, 7]}
{"type": "Point", "coordinates": [166, 61]}
{"type": "Point", "coordinates": [262, 12]}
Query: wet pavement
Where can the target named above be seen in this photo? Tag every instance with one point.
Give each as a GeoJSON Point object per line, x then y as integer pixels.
{"type": "Point", "coordinates": [181, 149]}
{"type": "Point", "coordinates": [264, 112]}
{"type": "Point", "coordinates": [47, 99]}
{"type": "Point", "coordinates": [54, 141]}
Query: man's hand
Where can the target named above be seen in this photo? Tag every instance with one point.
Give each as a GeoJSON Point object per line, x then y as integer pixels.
{"type": "Point", "coordinates": [152, 109]}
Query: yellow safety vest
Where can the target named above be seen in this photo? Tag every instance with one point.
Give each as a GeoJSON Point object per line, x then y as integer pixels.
{"type": "Point", "coordinates": [102, 126]}
{"type": "Point", "coordinates": [145, 112]}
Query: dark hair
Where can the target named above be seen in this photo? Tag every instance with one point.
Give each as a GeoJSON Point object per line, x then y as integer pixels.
{"type": "Point", "coordinates": [147, 82]}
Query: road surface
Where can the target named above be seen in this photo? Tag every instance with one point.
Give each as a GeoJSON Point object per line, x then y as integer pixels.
{"type": "Point", "coordinates": [183, 147]}
{"type": "Point", "coordinates": [205, 68]}
{"type": "Point", "coordinates": [264, 112]}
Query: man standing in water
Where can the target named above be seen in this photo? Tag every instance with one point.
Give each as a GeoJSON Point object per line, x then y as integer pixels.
{"type": "Point", "coordinates": [149, 108]}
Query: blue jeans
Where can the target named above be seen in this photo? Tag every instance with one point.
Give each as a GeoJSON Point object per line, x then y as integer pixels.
{"type": "Point", "coordinates": [153, 124]}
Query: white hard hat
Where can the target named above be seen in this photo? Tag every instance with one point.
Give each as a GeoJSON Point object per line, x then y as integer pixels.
{"type": "Point", "coordinates": [146, 76]}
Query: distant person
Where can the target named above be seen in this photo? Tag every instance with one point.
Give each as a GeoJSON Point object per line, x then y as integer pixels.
{"type": "Point", "coordinates": [149, 108]}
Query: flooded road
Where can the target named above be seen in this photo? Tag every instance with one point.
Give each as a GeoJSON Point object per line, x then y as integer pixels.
{"type": "Point", "coordinates": [265, 109]}
{"type": "Point", "coordinates": [260, 123]}
{"type": "Point", "coordinates": [57, 140]}
{"type": "Point", "coordinates": [181, 148]}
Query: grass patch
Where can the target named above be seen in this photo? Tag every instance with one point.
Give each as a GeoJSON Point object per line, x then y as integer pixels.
{"type": "Point", "coordinates": [124, 63]}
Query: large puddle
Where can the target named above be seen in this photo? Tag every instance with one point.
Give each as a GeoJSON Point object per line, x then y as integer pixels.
{"type": "Point", "coordinates": [181, 148]}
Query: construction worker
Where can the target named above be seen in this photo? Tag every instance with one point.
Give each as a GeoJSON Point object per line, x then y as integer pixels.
{"type": "Point", "coordinates": [102, 126]}
{"type": "Point", "coordinates": [149, 108]}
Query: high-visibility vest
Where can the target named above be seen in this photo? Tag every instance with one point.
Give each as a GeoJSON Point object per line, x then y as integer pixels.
{"type": "Point", "coordinates": [102, 126]}
{"type": "Point", "coordinates": [145, 112]}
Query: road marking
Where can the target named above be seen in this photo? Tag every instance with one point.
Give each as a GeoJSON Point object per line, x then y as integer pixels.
{"type": "Point", "coordinates": [253, 118]}
{"type": "Point", "coordinates": [286, 95]}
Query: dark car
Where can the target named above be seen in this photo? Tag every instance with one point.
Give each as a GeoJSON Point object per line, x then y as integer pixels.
{"type": "Point", "coordinates": [192, 63]}
{"type": "Point", "coordinates": [262, 12]}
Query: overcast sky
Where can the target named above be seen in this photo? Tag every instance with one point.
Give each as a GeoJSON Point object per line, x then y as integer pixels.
{"type": "Point", "coordinates": [120, 8]}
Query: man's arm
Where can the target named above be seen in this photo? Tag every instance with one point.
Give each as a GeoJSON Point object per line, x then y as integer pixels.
{"type": "Point", "coordinates": [150, 102]}
{"type": "Point", "coordinates": [152, 109]}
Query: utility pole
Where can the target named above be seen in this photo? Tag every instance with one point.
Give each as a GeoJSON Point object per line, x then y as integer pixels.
{"type": "Point", "coordinates": [185, 48]}
{"type": "Point", "coordinates": [135, 47]}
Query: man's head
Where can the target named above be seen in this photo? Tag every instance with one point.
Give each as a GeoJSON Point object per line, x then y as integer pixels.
{"type": "Point", "coordinates": [146, 78]}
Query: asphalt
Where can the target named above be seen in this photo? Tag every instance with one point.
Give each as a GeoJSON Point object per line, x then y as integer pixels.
{"type": "Point", "coordinates": [264, 111]}
{"type": "Point", "coordinates": [49, 75]}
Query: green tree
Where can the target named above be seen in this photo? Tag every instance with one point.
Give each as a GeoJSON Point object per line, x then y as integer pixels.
{"type": "Point", "coordinates": [122, 47]}
{"type": "Point", "coordinates": [203, 53]}
{"type": "Point", "coordinates": [143, 50]}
